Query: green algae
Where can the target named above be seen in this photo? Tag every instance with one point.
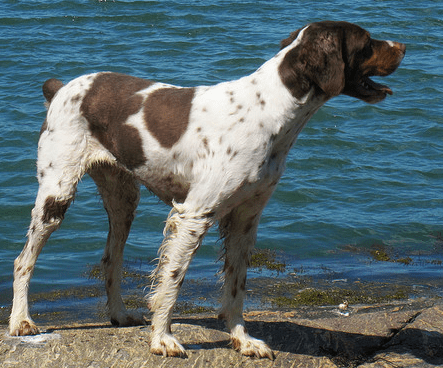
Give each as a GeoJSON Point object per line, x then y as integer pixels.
{"type": "Point", "coordinates": [291, 295]}
{"type": "Point", "coordinates": [380, 253]}
{"type": "Point", "coordinates": [266, 258]}
{"type": "Point", "coordinates": [70, 293]}
{"type": "Point", "coordinates": [187, 308]}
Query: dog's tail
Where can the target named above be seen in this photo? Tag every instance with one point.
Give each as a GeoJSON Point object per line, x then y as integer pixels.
{"type": "Point", "coordinates": [50, 88]}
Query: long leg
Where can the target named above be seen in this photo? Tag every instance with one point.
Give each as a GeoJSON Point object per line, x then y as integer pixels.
{"type": "Point", "coordinates": [184, 232]}
{"type": "Point", "coordinates": [239, 229]}
{"type": "Point", "coordinates": [57, 185]}
{"type": "Point", "coordinates": [120, 193]}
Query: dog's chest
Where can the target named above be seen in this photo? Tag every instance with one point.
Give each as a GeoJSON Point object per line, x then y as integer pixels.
{"type": "Point", "coordinates": [230, 151]}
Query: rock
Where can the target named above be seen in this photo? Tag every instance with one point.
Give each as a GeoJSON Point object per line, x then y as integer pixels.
{"type": "Point", "coordinates": [408, 334]}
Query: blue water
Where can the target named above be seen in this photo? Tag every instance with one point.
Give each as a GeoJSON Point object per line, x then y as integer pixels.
{"type": "Point", "coordinates": [360, 175]}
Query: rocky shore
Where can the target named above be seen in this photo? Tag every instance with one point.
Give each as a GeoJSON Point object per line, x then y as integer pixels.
{"type": "Point", "coordinates": [397, 334]}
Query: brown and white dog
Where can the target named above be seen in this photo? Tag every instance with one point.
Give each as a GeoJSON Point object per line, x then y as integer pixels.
{"type": "Point", "coordinates": [215, 154]}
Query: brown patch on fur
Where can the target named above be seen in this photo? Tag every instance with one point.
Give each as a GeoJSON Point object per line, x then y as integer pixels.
{"type": "Point", "coordinates": [236, 344]}
{"type": "Point", "coordinates": [76, 98]}
{"type": "Point", "coordinates": [50, 88]}
{"type": "Point", "coordinates": [54, 209]}
{"type": "Point", "coordinates": [205, 142]}
{"type": "Point", "coordinates": [26, 329]}
{"type": "Point", "coordinates": [107, 105]}
{"type": "Point", "coordinates": [166, 113]}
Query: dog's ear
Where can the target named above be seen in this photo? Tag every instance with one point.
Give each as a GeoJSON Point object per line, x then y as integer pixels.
{"type": "Point", "coordinates": [326, 67]}
{"type": "Point", "coordinates": [287, 41]}
{"type": "Point", "coordinates": [318, 60]}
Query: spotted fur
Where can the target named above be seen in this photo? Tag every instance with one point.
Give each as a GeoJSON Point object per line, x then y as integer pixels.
{"type": "Point", "coordinates": [214, 153]}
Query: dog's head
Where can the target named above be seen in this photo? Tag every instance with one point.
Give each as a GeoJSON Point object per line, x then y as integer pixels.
{"type": "Point", "coordinates": [338, 58]}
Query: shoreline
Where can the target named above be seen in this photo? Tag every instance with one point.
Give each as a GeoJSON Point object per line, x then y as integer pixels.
{"type": "Point", "coordinates": [284, 292]}
{"type": "Point", "coordinates": [267, 289]}
{"type": "Point", "coordinates": [393, 322]}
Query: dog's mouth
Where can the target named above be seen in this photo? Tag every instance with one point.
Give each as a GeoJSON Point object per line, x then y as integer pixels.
{"type": "Point", "coordinates": [370, 87]}
{"type": "Point", "coordinates": [367, 90]}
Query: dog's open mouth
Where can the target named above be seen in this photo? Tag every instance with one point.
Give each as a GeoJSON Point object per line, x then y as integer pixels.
{"type": "Point", "coordinates": [367, 90]}
{"type": "Point", "coordinates": [371, 87]}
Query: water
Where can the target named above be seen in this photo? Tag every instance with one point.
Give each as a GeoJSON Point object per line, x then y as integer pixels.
{"type": "Point", "coordinates": [360, 175]}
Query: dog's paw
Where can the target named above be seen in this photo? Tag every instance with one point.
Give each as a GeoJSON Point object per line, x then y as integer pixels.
{"type": "Point", "coordinates": [249, 346]}
{"type": "Point", "coordinates": [127, 319]}
{"type": "Point", "coordinates": [167, 345]}
{"type": "Point", "coordinates": [24, 328]}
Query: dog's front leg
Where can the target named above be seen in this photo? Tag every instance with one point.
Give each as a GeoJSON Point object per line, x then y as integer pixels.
{"type": "Point", "coordinates": [184, 232]}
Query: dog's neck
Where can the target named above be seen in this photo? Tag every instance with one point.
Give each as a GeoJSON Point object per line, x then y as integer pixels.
{"type": "Point", "coordinates": [261, 117]}
{"type": "Point", "coordinates": [283, 115]}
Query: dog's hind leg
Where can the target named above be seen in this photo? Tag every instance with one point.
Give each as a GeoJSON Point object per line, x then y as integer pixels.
{"type": "Point", "coordinates": [58, 175]}
{"type": "Point", "coordinates": [238, 230]}
{"type": "Point", "coordinates": [120, 192]}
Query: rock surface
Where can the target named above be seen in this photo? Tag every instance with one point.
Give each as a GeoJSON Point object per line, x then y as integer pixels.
{"type": "Point", "coordinates": [407, 334]}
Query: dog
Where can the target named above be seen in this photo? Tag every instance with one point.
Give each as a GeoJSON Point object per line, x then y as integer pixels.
{"type": "Point", "coordinates": [213, 153]}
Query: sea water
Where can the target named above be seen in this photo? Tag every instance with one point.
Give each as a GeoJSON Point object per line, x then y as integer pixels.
{"type": "Point", "coordinates": [360, 177]}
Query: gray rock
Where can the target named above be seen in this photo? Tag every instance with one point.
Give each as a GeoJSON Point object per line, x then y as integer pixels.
{"type": "Point", "coordinates": [408, 334]}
